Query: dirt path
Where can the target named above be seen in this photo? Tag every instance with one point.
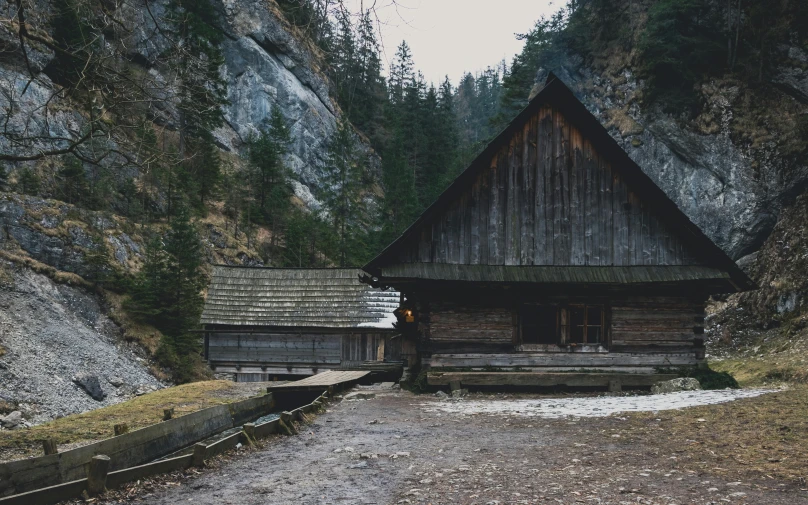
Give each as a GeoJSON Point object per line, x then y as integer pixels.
{"type": "Point", "coordinates": [469, 459]}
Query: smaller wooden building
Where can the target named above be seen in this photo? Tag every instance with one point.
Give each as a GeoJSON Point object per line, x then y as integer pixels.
{"type": "Point", "coordinates": [264, 322]}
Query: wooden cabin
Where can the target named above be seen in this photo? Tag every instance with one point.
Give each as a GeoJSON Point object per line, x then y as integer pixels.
{"type": "Point", "coordinates": [264, 322]}
{"type": "Point", "coordinates": [554, 252]}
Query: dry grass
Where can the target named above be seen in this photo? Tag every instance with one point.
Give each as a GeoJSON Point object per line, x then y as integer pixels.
{"type": "Point", "coordinates": [138, 412]}
{"type": "Point", "coordinates": [59, 276]}
{"type": "Point", "coordinates": [764, 437]}
{"type": "Point", "coordinates": [145, 335]}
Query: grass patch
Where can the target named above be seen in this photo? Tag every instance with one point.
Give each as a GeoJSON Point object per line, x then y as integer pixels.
{"type": "Point", "coordinates": [707, 377]}
{"type": "Point", "coordinates": [138, 413]}
{"type": "Point", "coordinates": [762, 437]}
{"type": "Point", "coordinates": [764, 370]}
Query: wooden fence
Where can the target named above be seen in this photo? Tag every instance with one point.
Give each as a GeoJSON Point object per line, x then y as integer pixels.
{"type": "Point", "coordinates": [197, 425]}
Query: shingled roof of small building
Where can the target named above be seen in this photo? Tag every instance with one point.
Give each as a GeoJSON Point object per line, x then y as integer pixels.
{"type": "Point", "coordinates": [304, 297]}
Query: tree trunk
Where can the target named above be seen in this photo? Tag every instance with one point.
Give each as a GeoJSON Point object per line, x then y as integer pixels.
{"type": "Point", "coordinates": [737, 36]}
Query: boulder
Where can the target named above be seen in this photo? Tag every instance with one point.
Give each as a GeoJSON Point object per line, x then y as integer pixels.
{"type": "Point", "coordinates": [441, 395]}
{"type": "Point", "coordinates": [91, 385]}
{"type": "Point", "coordinates": [145, 389]}
{"type": "Point", "coordinates": [672, 386]}
{"type": "Point", "coordinates": [460, 393]}
{"type": "Point", "coordinates": [11, 421]}
{"type": "Point", "coordinates": [116, 381]}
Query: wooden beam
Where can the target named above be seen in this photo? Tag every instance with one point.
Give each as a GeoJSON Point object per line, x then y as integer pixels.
{"type": "Point", "coordinates": [546, 379]}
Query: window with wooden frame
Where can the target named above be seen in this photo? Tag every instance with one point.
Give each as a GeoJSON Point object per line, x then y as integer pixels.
{"type": "Point", "coordinates": [576, 324]}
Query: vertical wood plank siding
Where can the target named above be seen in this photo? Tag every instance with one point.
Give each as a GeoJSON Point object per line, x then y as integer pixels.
{"type": "Point", "coordinates": [548, 198]}
{"type": "Point", "coordinates": [301, 349]}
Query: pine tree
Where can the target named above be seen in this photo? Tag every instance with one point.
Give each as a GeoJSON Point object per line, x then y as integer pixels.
{"type": "Point", "coordinates": [343, 197]}
{"type": "Point", "coordinates": [72, 181]}
{"type": "Point", "coordinates": [185, 279]}
{"type": "Point", "coordinates": [28, 182]}
{"type": "Point", "coordinates": [206, 165]}
{"type": "Point", "coordinates": [3, 179]}
{"type": "Point", "coordinates": [167, 292]}
{"type": "Point", "coordinates": [97, 261]}
{"type": "Point", "coordinates": [202, 92]}
{"type": "Point", "coordinates": [147, 293]}
{"type": "Point", "coordinates": [268, 173]}
{"type": "Point", "coordinates": [401, 73]}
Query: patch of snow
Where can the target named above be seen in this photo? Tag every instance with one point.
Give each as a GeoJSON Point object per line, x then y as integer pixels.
{"type": "Point", "coordinates": [386, 322]}
{"type": "Point", "coordinates": [601, 406]}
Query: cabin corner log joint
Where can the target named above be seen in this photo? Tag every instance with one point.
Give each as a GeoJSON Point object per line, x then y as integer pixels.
{"type": "Point", "coordinates": [264, 322]}
{"type": "Point", "coordinates": [554, 252]}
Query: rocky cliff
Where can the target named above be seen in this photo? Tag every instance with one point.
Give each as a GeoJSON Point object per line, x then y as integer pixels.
{"type": "Point", "coordinates": [731, 169]}
{"type": "Point", "coordinates": [65, 346]}
{"type": "Point", "coordinates": [267, 66]}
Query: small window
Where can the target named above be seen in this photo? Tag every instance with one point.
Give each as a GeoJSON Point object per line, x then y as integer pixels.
{"type": "Point", "coordinates": [574, 324]}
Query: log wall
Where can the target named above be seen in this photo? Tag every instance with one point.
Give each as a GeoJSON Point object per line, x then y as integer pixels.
{"type": "Point", "coordinates": [641, 332]}
{"type": "Point", "coordinates": [471, 324]}
{"type": "Point", "coordinates": [548, 198]}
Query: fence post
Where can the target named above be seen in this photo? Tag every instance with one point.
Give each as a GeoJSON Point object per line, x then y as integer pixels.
{"type": "Point", "coordinates": [200, 450]}
{"type": "Point", "coordinates": [248, 433]}
{"type": "Point", "coordinates": [97, 475]}
{"type": "Point", "coordinates": [49, 446]}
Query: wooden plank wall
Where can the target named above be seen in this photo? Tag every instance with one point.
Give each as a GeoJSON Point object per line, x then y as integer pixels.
{"type": "Point", "coordinates": [283, 348]}
{"type": "Point", "coordinates": [548, 198]}
{"type": "Point", "coordinates": [657, 325]}
{"type": "Point", "coordinates": [470, 324]}
{"type": "Point", "coordinates": [359, 347]}
{"type": "Point", "coordinates": [641, 331]}
{"type": "Point", "coordinates": [299, 349]}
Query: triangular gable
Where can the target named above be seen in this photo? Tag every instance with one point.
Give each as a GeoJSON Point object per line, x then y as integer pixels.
{"type": "Point", "coordinates": [554, 189]}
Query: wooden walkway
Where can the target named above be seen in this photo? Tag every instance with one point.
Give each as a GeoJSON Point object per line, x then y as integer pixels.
{"type": "Point", "coordinates": [322, 381]}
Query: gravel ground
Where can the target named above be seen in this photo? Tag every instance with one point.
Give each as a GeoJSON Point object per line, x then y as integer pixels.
{"type": "Point", "coordinates": [398, 448]}
{"type": "Point", "coordinates": [52, 332]}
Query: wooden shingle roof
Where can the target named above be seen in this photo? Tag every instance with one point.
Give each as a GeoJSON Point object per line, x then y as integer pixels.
{"type": "Point", "coordinates": [324, 298]}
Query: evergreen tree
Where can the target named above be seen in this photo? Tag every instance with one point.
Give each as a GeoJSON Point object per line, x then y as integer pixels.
{"type": "Point", "coordinates": [401, 73]}
{"type": "Point", "coordinates": [268, 172]}
{"type": "Point", "coordinates": [540, 49]}
{"type": "Point", "coordinates": [206, 165]}
{"type": "Point", "coordinates": [3, 179]}
{"type": "Point", "coordinates": [28, 182]}
{"type": "Point", "coordinates": [72, 179]}
{"type": "Point", "coordinates": [167, 292]}
{"type": "Point", "coordinates": [184, 277]}
{"type": "Point", "coordinates": [202, 92]}
{"type": "Point", "coordinates": [149, 287]}
{"type": "Point", "coordinates": [679, 46]}
{"type": "Point", "coordinates": [344, 198]}
{"type": "Point", "coordinates": [306, 236]}
{"type": "Point", "coordinates": [97, 261]}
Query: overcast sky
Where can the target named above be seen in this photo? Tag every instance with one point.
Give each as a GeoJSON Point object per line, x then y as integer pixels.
{"type": "Point", "coordinates": [454, 36]}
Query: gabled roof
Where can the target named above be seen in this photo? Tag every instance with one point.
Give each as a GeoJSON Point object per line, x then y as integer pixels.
{"type": "Point", "coordinates": [296, 297]}
{"type": "Point", "coordinates": [557, 94]}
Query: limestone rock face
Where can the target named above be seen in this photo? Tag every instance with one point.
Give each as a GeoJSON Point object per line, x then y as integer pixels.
{"type": "Point", "coordinates": [266, 66]}
{"type": "Point", "coordinates": [732, 190]}
{"type": "Point", "coordinates": [676, 385]}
